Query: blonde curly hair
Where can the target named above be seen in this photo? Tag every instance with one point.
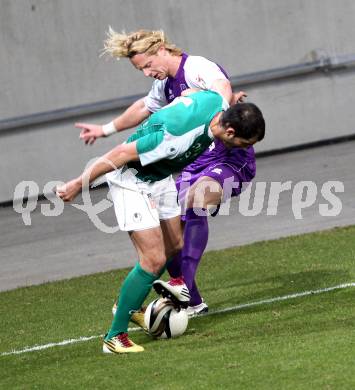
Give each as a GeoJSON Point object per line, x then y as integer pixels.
{"type": "Point", "coordinates": [122, 45]}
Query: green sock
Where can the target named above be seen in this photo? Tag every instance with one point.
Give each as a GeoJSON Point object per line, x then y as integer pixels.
{"type": "Point", "coordinates": [134, 290]}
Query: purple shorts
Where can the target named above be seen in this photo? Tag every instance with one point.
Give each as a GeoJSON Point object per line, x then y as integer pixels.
{"type": "Point", "coordinates": [230, 177]}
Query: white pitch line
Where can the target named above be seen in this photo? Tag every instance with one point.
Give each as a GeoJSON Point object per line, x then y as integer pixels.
{"type": "Point", "coordinates": [229, 309]}
{"type": "Point", "coordinates": [50, 345]}
{"type": "Point", "coordinates": [64, 342]}
{"type": "Point", "coordinates": [282, 298]}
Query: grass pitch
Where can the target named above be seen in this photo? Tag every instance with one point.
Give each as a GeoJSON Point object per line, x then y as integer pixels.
{"type": "Point", "coordinates": [302, 343]}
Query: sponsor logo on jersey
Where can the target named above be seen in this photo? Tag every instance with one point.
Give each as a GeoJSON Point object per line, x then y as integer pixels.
{"type": "Point", "coordinates": [212, 146]}
{"type": "Point", "coordinates": [171, 94]}
{"type": "Point", "coordinates": [217, 170]}
{"type": "Point", "coordinates": [195, 150]}
{"type": "Point", "coordinates": [201, 81]}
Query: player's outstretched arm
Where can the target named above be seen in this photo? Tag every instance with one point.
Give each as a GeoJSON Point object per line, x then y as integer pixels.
{"type": "Point", "coordinates": [115, 158]}
{"type": "Point", "coordinates": [133, 116]}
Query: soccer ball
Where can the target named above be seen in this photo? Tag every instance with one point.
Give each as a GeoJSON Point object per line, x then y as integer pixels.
{"type": "Point", "coordinates": [163, 320]}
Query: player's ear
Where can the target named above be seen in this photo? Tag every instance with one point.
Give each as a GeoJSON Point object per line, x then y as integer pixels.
{"type": "Point", "coordinates": [230, 132]}
{"type": "Point", "coordinates": [162, 51]}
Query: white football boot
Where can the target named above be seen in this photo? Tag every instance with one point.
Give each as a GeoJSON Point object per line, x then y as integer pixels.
{"type": "Point", "coordinates": [193, 311]}
{"type": "Point", "coordinates": [175, 289]}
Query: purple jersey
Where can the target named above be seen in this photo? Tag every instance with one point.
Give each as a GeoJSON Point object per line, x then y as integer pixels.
{"type": "Point", "coordinates": [220, 164]}
{"type": "Point", "coordinates": [217, 152]}
{"type": "Point", "coordinates": [198, 72]}
{"type": "Point", "coordinates": [176, 85]}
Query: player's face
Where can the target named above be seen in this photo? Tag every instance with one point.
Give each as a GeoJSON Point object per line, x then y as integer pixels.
{"type": "Point", "coordinates": [152, 65]}
{"type": "Point", "coordinates": [243, 143]}
{"type": "Point", "coordinates": [237, 142]}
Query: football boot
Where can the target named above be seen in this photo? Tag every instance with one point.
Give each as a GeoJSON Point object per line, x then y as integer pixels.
{"type": "Point", "coordinates": [121, 344]}
{"type": "Point", "coordinates": [175, 289]}
{"type": "Point", "coordinates": [193, 311]}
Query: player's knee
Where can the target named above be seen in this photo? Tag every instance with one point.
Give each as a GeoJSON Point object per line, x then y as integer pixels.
{"type": "Point", "coordinates": [153, 262]}
{"type": "Point", "coordinates": [193, 200]}
{"type": "Point", "coordinates": [204, 192]}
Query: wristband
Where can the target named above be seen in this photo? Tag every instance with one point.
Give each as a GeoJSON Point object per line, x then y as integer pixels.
{"type": "Point", "coordinates": [109, 129]}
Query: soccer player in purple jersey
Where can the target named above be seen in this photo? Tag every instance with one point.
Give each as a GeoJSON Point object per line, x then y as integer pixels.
{"type": "Point", "coordinates": [174, 72]}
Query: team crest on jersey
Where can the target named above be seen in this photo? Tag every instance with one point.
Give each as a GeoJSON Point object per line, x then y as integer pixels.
{"type": "Point", "coordinates": [183, 87]}
{"type": "Point", "coordinates": [170, 150]}
{"type": "Point", "coordinates": [137, 217]}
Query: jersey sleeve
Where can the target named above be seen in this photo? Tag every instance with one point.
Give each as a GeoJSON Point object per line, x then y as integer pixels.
{"type": "Point", "coordinates": [202, 73]}
{"type": "Point", "coordinates": [154, 147]}
{"type": "Point", "coordinates": [156, 99]}
{"type": "Point", "coordinates": [164, 144]}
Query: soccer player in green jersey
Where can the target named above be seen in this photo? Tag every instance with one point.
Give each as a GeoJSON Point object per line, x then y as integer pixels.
{"type": "Point", "coordinates": [144, 193]}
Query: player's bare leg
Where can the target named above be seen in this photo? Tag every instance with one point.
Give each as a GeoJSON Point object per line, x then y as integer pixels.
{"type": "Point", "coordinates": [150, 248]}
{"type": "Point", "coordinates": [172, 235]}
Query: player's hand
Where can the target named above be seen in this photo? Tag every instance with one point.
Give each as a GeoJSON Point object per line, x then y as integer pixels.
{"type": "Point", "coordinates": [89, 132]}
{"type": "Point", "coordinates": [238, 97]}
{"type": "Point", "coordinates": [69, 190]}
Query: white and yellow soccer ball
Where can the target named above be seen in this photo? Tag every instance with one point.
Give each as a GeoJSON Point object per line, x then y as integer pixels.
{"type": "Point", "coordinates": [163, 320]}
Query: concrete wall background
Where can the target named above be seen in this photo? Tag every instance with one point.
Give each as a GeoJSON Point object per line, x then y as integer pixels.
{"type": "Point", "coordinates": [49, 56]}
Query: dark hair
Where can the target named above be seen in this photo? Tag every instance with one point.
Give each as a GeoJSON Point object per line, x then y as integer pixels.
{"type": "Point", "coordinates": [246, 119]}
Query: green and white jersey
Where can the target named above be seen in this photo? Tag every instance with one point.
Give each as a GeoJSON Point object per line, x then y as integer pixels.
{"type": "Point", "coordinates": [176, 135]}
